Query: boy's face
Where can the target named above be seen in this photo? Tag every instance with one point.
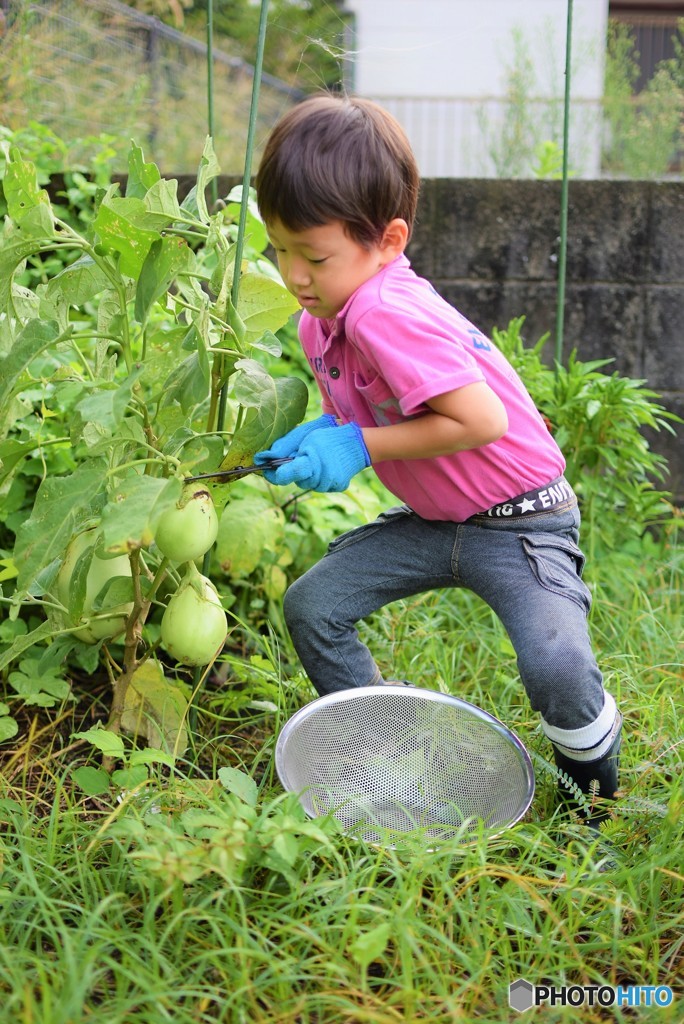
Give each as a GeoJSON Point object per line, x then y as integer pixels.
{"type": "Point", "coordinates": [323, 266]}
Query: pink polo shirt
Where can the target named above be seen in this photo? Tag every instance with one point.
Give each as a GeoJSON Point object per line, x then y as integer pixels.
{"type": "Point", "coordinates": [395, 345]}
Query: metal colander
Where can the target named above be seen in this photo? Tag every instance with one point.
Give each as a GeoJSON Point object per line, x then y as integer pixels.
{"type": "Point", "coordinates": [392, 759]}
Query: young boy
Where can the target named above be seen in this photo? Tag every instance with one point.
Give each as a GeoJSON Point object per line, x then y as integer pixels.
{"type": "Point", "coordinates": [414, 390]}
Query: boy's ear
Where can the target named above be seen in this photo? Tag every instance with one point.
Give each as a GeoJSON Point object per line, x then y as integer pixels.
{"type": "Point", "coordinates": [395, 237]}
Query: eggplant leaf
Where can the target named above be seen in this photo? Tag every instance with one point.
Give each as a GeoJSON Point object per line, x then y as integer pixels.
{"type": "Point", "coordinates": [31, 342]}
{"type": "Point", "coordinates": [141, 176]}
{"type": "Point", "coordinates": [23, 642]}
{"type": "Point", "coordinates": [130, 517]}
{"type": "Point", "coordinates": [78, 282]}
{"type": "Point", "coordinates": [128, 228]}
{"type": "Point", "coordinates": [23, 195]}
{"type": "Point", "coordinates": [156, 709]}
{"type": "Point", "coordinates": [105, 404]}
{"type": "Point", "coordinates": [274, 406]}
{"type": "Point", "coordinates": [263, 305]}
{"type": "Point", "coordinates": [249, 525]}
{"type": "Point", "coordinates": [162, 198]}
{"type": "Point", "coordinates": [12, 252]}
{"type": "Point", "coordinates": [208, 170]}
{"type": "Point", "coordinates": [59, 503]}
{"type": "Point", "coordinates": [167, 258]}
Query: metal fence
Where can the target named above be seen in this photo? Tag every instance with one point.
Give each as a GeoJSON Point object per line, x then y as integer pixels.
{"type": "Point", "coordinates": [492, 138]}
{"type": "Point", "coordinates": [91, 67]}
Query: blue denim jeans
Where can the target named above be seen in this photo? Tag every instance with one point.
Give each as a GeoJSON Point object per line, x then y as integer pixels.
{"type": "Point", "coordinates": [527, 569]}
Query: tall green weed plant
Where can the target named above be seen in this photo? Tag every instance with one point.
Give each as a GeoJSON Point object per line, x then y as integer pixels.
{"type": "Point", "coordinates": [599, 421]}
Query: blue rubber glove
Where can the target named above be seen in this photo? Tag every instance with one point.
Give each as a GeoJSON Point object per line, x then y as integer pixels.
{"type": "Point", "coordinates": [325, 461]}
{"type": "Point", "coordinates": [288, 444]}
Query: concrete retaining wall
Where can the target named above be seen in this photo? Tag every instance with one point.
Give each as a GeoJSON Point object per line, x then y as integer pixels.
{"type": "Point", "coordinates": [491, 248]}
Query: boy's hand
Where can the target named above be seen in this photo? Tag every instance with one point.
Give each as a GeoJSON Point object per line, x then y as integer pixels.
{"type": "Point", "coordinates": [288, 444]}
{"type": "Point", "coordinates": [326, 460]}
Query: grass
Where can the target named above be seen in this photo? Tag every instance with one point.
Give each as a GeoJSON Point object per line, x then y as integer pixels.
{"type": "Point", "coordinates": [192, 901]}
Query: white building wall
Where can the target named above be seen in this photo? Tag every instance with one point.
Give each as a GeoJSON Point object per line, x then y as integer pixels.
{"type": "Point", "coordinates": [443, 67]}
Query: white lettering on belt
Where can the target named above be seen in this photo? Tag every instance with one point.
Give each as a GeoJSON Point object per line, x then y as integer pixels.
{"type": "Point", "coordinates": [500, 510]}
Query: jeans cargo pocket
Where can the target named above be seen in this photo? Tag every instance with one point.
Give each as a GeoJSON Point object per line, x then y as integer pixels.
{"type": "Point", "coordinates": [360, 532]}
{"type": "Point", "coordinates": [557, 564]}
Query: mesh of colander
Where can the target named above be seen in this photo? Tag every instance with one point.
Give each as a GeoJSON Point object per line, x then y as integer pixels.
{"type": "Point", "coordinates": [400, 758]}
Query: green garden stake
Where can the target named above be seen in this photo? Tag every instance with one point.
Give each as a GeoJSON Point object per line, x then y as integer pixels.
{"type": "Point", "coordinates": [562, 257]}
{"type": "Point", "coordinates": [246, 177]}
{"type": "Point", "coordinates": [210, 87]}
{"type": "Point", "coordinates": [239, 246]}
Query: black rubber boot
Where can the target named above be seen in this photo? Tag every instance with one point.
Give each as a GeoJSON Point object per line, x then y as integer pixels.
{"type": "Point", "coordinates": [597, 779]}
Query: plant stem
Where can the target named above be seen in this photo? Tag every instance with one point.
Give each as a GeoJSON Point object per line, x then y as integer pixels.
{"type": "Point", "coordinates": [225, 327]}
{"type": "Point", "coordinates": [159, 577]}
{"type": "Point", "coordinates": [140, 462]}
{"type": "Point", "coordinates": [134, 625]}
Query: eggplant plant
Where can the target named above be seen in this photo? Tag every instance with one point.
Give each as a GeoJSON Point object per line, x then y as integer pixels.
{"type": "Point", "coordinates": [120, 377]}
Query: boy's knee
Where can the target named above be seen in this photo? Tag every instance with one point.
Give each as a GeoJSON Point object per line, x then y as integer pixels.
{"type": "Point", "coordinates": [312, 604]}
{"type": "Point", "coordinates": [560, 658]}
{"type": "Point", "coordinates": [563, 682]}
{"type": "Point", "coordinates": [291, 604]}
{"type": "Point", "coordinates": [301, 604]}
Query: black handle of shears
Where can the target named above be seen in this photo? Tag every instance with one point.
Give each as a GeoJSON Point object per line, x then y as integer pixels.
{"type": "Point", "coordinates": [239, 471]}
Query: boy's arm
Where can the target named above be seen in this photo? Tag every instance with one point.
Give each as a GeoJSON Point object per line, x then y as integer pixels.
{"type": "Point", "coordinates": [468, 417]}
{"type": "Point", "coordinates": [327, 459]}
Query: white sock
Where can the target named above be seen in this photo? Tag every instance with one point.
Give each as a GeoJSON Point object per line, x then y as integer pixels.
{"type": "Point", "coordinates": [591, 741]}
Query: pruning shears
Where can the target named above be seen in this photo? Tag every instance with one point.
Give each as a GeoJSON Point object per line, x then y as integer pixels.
{"type": "Point", "coordinates": [239, 471]}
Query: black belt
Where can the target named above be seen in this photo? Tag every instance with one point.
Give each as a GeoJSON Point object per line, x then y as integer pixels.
{"type": "Point", "coordinates": [550, 498]}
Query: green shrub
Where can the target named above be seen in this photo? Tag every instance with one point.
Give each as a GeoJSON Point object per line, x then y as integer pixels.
{"type": "Point", "coordinates": [598, 420]}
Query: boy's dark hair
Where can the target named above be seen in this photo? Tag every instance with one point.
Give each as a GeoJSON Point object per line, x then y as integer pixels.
{"type": "Point", "coordinates": [338, 158]}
